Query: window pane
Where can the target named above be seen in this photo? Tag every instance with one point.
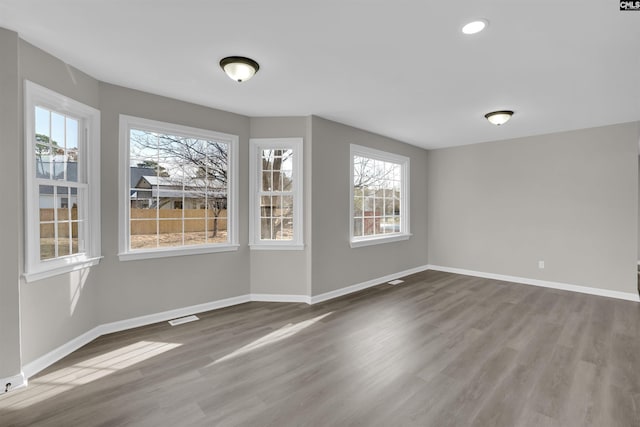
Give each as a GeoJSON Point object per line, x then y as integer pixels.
{"type": "Point", "coordinates": [42, 124]}
{"type": "Point", "coordinates": [64, 238]}
{"type": "Point", "coordinates": [276, 206]}
{"type": "Point", "coordinates": [287, 180]}
{"type": "Point", "coordinates": [57, 130]}
{"type": "Point", "coordinates": [46, 202]}
{"type": "Point", "coordinates": [357, 227]}
{"type": "Point", "coordinates": [267, 181]}
{"type": "Point", "coordinates": [171, 233]}
{"type": "Point", "coordinates": [358, 202]}
{"type": "Point", "coordinates": [75, 225]}
{"type": "Point", "coordinates": [276, 228]}
{"type": "Point", "coordinates": [287, 229]}
{"type": "Point", "coordinates": [287, 206]}
{"type": "Point", "coordinates": [58, 164]}
{"type": "Point", "coordinates": [72, 134]}
{"type": "Point", "coordinates": [217, 229]}
{"type": "Point", "coordinates": [62, 203]}
{"type": "Point", "coordinates": [143, 233]}
{"type": "Point", "coordinates": [43, 161]}
{"type": "Point", "coordinates": [277, 180]}
{"type": "Point", "coordinates": [72, 149]}
{"type": "Point", "coordinates": [73, 203]}
{"type": "Point", "coordinates": [267, 159]}
{"type": "Point", "coordinates": [47, 241]}
{"type": "Point", "coordinates": [195, 232]}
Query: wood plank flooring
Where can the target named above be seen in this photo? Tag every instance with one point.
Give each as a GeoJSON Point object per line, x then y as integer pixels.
{"type": "Point", "coordinates": [439, 350]}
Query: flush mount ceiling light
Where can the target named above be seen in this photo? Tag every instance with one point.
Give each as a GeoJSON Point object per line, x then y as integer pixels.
{"type": "Point", "coordinates": [499, 117]}
{"type": "Point", "coordinates": [475, 26]}
{"type": "Point", "coordinates": [239, 68]}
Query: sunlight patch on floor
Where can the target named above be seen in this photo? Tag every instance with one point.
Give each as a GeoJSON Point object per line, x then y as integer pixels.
{"type": "Point", "coordinates": [273, 337]}
{"type": "Point", "coordinates": [81, 373]}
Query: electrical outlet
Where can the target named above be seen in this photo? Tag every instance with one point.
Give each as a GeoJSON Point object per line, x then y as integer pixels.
{"type": "Point", "coordinates": [541, 265]}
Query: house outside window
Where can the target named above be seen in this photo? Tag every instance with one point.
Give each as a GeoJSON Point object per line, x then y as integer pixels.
{"type": "Point", "coordinates": [178, 190]}
{"type": "Point", "coordinates": [276, 193]}
{"type": "Point", "coordinates": [62, 183]}
{"type": "Point", "coordinates": [379, 194]}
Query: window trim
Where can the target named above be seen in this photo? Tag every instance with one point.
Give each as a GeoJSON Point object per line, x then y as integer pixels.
{"type": "Point", "coordinates": [404, 162]}
{"type": "Point", "coordinates": [89, 117]}
{"type": "Point", "coordinates": [255, 146]}
{"type": "Point", "coordinates": [126, 124]}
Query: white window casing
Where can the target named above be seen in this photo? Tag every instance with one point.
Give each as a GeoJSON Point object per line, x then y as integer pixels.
{"type": "Point", "coordinates": [292, 191]}
{"type": "Point", "coordinates": [179, 192]}
{"type": "Point", "coordinates": [379, 208]}
{"type": "Point", "coordinates": [74, 242]}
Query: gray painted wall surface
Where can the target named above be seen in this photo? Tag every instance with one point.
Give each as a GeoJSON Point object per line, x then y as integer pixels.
{"type": "Point", "coordinates": [335, 263]}
{"type": "Point", "coordinates": [282, 272]}
{"type": "Point", "coordinates": [58, 309]}
{"type": "Point", "coordinates": [12, 201]}
{"type": "Point", "coordinates": [136, 288]}
{"type": "Point", "coordinates": [570, 199]}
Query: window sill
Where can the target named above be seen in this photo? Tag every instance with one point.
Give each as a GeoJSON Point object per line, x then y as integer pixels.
{"type": "Point", "coordinates": [272, 247]}
{"type": "Point", "coordinates": [380, 240]}
{"type": "Point", "coordinates": [172, 252]}
{"type": "Point", "coordinates": [67, 268]}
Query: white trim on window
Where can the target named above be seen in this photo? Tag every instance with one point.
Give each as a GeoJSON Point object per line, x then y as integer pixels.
{"type": "Point", "coordinates": [88, 182]}
{"type": "Point", "coordinates": [404, 233]}
{"type": "Point", "coordinates": [127, 123]}
{"type": "Point", "coordinates": [257, 145]}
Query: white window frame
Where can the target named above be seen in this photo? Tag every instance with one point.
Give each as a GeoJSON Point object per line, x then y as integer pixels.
{"type": "Point", "coordinates": [89, 143]}
{"type": "Point", "coordinates": [255, 165]}
{"type": "Point", "coordinates": [124, 206]}
{"type": "Point", "coordinates": [405, 194]}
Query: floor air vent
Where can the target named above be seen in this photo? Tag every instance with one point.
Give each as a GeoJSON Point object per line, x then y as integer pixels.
{"type": "Point", "coordinates": [181, 320]}
{"type": "Point", "coordinates": [395, 282]}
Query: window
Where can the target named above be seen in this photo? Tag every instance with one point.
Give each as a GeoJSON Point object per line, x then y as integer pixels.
{"type": "Point", "coordinates": [178, 190]}
{"type": "Point", "coordinates": [62, 183]}
{"type": "Point", "coordinates": [276, 193]}
{"type": "Point", "coordinates": [379, 197]}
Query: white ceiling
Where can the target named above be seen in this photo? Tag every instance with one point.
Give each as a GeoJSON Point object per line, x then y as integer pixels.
{"type": "Point", "coordinates": [400, 68]}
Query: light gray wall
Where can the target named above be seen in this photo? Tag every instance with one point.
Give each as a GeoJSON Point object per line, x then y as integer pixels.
{"type": "Point", "coordinates": [283, 272]}
{"type": "Point", "coordinates": [136, 288]}
{"type": "Point", "coordinates": [58, 309]}
{"type": "Point", "coordinates": [570, 199]}
{"type": "Point", "coordinates": [335, 263]}
{"type": "Point", "coordinates": [10, 194]}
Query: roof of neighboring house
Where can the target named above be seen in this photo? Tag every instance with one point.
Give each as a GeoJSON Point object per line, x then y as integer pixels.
{"type": "Point", "coordinates": [161, 186]}
{"type": "Point", "coordinates": [136, 172]}
{"type": "Point", "coordinates": [161, 181]}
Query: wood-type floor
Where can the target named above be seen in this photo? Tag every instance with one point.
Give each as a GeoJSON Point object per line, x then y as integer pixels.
{"type": "Point", "coordinates": [439, 350]}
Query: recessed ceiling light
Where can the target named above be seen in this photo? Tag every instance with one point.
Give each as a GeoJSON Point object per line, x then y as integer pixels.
{"type": "Point", "coordinates": [475, 26]}
{"type": "Point", "coordinates": [239, 68]}
{"type": "Point", "coordinates": [499, 117]}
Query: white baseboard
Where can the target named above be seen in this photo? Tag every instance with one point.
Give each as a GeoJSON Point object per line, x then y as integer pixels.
{"type": "Point", "coordinates": [32, 368]}
{"type": "Point", "coordinates": [122, 325]}
{"type": "Point", "coordinates": [280, 298]}
{"type": "Point", "coordinates": [16, 381]}
{"type": "Point", "coordinates": [364, 285]}
{"type": "Point", "coordinates": [42, 362]}
{"type": "Point", "coordinates": [629, 296]}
